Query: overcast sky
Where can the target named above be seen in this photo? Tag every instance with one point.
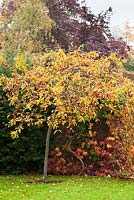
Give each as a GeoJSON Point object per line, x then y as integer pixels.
{"type": "Point", "coordinates": [122, 9]}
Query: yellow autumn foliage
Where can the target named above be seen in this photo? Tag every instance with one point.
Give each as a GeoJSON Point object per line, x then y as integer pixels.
{"type": "Point", "coordinates": [69, 88]}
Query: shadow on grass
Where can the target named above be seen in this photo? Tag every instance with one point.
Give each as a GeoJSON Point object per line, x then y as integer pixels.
{"type": "Point", "coordinates": [44, 182]}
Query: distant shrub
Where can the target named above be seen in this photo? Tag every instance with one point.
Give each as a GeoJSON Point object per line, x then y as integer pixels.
{"type": "Point", "coordinates": [129, 65]}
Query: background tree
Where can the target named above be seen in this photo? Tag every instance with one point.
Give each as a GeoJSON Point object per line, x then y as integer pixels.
{"type": "Point", "coordinates": [25, 26]}
{"type": "Point", "coordinates": [128, 33]}
{"type": "Point", "coordinates": [76, 25]}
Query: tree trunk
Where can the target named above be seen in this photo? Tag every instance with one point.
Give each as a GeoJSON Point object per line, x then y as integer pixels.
{"type": "Point", "coordinates": [46, 154]}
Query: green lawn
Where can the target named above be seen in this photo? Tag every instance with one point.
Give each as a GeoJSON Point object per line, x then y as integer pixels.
{"type": "Point", "coordinates": [70, 188]}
